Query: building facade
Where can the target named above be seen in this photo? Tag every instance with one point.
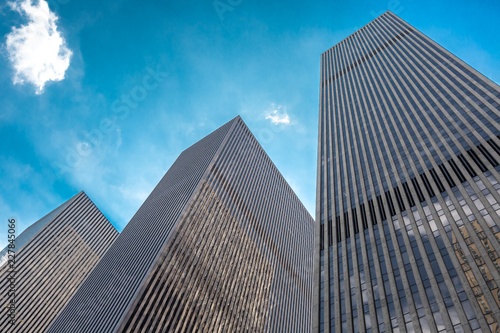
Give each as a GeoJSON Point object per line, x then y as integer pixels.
{"type": "Point", "coordinates": [52, 258]}
{"type": "Point", "coordinates": [408, 187]}
{"type": "Point", "coordinates": [221, 244]}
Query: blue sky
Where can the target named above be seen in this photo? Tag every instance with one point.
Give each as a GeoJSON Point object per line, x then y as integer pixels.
{"type": "Point", "coordinates": [191, 66]}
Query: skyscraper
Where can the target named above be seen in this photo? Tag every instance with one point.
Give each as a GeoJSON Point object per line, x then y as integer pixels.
{"type": "Point", "coordinates": [52, 257]}
{"type": "Point", "coordinates": [408, 187]}
{"type": "Point", "coordinates": [221, 244]}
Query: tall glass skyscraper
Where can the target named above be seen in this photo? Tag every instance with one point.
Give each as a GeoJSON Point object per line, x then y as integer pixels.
{"type": "Point", "coordinates": [408, 187]}
{"type": "Point", "coordinates": [52, 258]}
{"type": "Point", "coordinates": [222, 244]}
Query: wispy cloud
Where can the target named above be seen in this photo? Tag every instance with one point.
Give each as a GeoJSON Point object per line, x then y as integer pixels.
{"type": "Point", "coordinates": [278, 115]}
{"type": "Point", "coordinates": [37, 50]}
{"type": "Point", "coordinates": [3, 259]}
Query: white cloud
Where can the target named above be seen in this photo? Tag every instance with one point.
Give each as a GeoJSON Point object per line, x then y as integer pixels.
{"type": "Point", "coordinates": [37, 50]}
{"type": "Point", "coordinates": [278, 115]}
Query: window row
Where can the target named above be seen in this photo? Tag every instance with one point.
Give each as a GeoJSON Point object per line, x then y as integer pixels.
{"type": "Point", "coordinates": [395, 202]}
